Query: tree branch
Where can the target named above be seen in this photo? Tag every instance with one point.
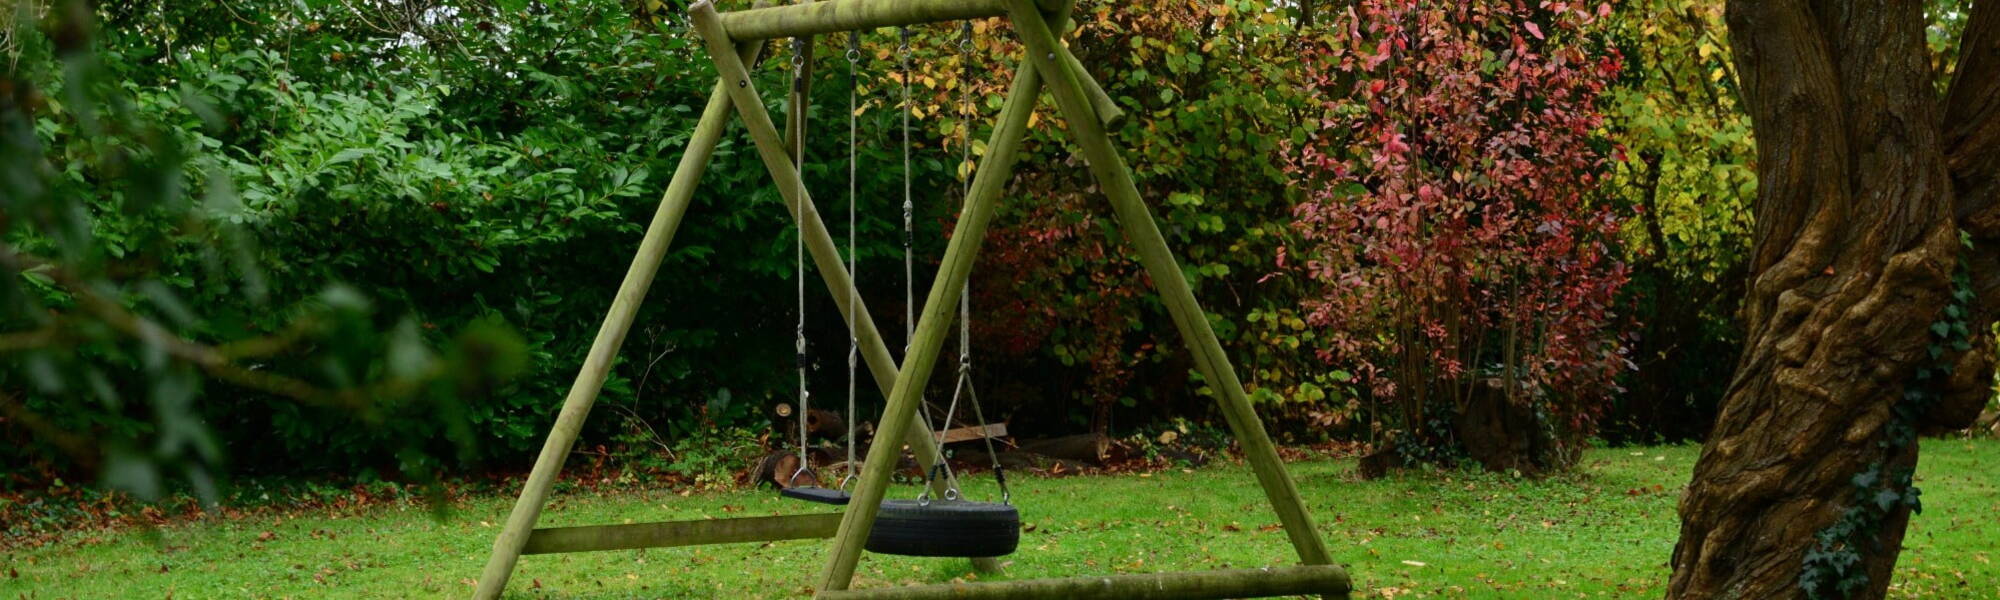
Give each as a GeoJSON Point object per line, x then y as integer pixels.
{"type": "Point", "coordinates": [76, 446]}
{"type": "Point", "coordinates": [216, 363]}
{"type": "Point", "coordinates": [1972, 123]}
{"type": "Point", "coordinates": [29, 340]}
{"type": "Point", "coordinates": [1972, 154]}
{"type": "Point", "coordinates": [1650, 200]}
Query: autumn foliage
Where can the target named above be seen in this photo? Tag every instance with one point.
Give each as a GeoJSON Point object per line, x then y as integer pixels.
{"type": "Point", "coordinates": [1449, 214]}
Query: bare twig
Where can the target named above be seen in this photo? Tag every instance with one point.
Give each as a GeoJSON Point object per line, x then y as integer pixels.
{"type": "Point", "coordinates": [653, 435]}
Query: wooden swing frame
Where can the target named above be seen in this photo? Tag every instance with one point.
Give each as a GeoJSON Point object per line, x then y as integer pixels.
{"type": "Point", "coordinates": [736, 38]}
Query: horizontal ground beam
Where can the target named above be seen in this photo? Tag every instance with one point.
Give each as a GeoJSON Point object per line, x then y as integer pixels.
{"type": "Point", "coordinates": [1328, 580]}
{"type": "Point", "coordinates": [831, 16]}
{"type": "Point", "coordinates": [555, 540]}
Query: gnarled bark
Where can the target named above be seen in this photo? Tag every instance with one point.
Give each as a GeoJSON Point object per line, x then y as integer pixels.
{"type": "Point", "coordinates": [1972, 152]}
{"type": "Point", "coordinates": [1862, 191]}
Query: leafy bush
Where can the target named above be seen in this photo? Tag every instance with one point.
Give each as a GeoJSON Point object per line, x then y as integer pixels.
{"type": "Point", "coordinates": [1686, 173]}
{"type": "Point", "coordinates": [1209, 100]}
{"type": "Point", "coordinates": [128, 284]}
{"type": "Point", "coordinates": [1449, 214]}
{"type": "Point", "coordinates": [494, 164]}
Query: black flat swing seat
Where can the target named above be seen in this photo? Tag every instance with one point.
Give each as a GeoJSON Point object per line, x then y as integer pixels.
{"type": "Point", "coordinates": [813, 493]}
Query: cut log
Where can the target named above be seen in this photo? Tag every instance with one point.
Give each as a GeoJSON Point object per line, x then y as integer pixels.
{"type": "Point", "coordinates": [1022, 461]}
{"type": "Point", "coordinates": [1089, 448]}
{"type": "Point", "coordinates": [824, 423]}
{"type": "Point", "coordinates": [781, 468]}
{"type": "Point", "coordinates": [995, 430]}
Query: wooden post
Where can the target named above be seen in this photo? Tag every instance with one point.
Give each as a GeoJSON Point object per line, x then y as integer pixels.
{"type": "Point", "coordinates": [799, 95]}
{"type": "Point", "coordinates": [610, 336]}
{"type": "Point", "coordinates": [592, 538]}
{"type": "Point", "coordinates": [833, 16]}
{"type": "Point", "coordinates": [1327, 580]}
{"type": "Point", "coordinates": [1144, 234]}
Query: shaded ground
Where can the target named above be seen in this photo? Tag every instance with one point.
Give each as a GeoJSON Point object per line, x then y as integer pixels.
{"type": "Point", "coordinates": [1605, 532]}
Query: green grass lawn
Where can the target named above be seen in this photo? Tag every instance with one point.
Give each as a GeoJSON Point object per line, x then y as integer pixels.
{"type": "Point", "coordinates": [1604, 532]}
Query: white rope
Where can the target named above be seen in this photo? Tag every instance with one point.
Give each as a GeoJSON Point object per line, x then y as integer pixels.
{"type": "Point", "coordinates": [853, 258]}
{"type": "Point", "coordinates": [965, 294]}
{"type": "Point", "coordinates": [909, 228]}
{"type": "Point", "coordinates": [799, 255]}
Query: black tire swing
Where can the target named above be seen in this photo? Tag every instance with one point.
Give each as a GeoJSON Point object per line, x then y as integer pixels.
{"type": "Point", "coordinates": [951, 526]}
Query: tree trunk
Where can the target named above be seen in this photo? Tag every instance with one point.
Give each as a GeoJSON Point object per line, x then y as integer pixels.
{"type": "Point", "coordinates": [1972, 152]}
{"type": "Point", "coordinates": [1862, 191]}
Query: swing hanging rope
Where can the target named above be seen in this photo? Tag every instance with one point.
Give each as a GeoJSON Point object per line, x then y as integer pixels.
{"type": "Point", "coordinates": [952, 526]}
{"type": "Point", "coordinates": [965, 297]}
{"type": "Point", "coordinates": [853, 258]}
{"type": "Point", "coordinates": [814, 491]}
{"type": "Point", "coordinates": [909, 228]}
{"type": "Point", "coordinates": [799, 260]}
{"type": "Point", "coordinates": [964, 387]}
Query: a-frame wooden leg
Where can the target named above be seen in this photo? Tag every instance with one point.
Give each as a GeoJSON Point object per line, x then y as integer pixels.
{"type": "Point", "coordinates": [1137, 222]}
{"type": "Point", "coordinates": [610, 336]}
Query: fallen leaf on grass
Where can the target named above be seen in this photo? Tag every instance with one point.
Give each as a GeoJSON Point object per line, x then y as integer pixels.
{"type": "Point", "coordinates": [1415, 563]}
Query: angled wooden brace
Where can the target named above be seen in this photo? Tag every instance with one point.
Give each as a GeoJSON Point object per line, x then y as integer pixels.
{"type": "Point", "coordinates": [1136, 220]}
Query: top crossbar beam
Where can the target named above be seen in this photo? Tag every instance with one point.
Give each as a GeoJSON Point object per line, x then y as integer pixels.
{"type": "Point", "coordinates": [833, 16]}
